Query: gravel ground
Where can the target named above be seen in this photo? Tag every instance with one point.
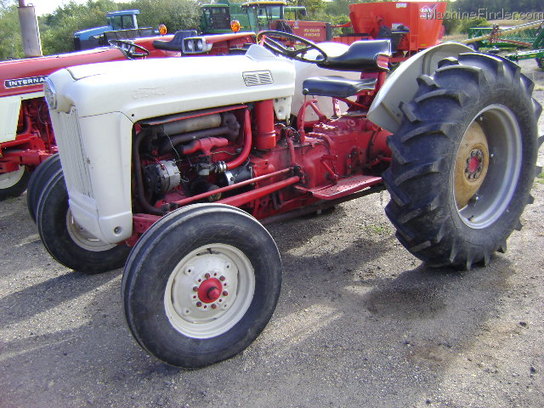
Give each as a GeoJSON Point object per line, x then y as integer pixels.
{"type": "Point", "coordinates": [360, 323]}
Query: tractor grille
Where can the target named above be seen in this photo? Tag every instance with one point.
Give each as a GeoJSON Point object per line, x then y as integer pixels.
{"type": "Point", "coordinates": [76, 172]}
{"type": "Point", "coordinates": [255, 78]}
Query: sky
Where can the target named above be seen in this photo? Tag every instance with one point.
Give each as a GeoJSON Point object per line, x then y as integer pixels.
{"type": "Point", "coordinates": [48, 6]}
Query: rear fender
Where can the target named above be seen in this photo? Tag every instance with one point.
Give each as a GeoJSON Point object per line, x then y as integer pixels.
{"type": "Point", "coordinates": [401, 86]}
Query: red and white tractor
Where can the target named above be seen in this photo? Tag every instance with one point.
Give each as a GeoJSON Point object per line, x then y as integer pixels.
{"type": "Point", "coordinates": [171, 162]}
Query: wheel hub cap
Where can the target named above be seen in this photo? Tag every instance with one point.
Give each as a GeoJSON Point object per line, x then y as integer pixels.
{"type": "Point", "coordinates": [210, 290]}
{"type": "Point", "coordinates": [475, 165]}
{"type": "Point", "coordinates": [471, 164]}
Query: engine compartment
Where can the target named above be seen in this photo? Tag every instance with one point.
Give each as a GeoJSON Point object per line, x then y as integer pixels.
{"type": "Point", "coordinates": [238, 152]}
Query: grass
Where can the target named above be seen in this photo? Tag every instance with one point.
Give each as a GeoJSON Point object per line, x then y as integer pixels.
{"type": "Point", "coordinates": [377, 229]}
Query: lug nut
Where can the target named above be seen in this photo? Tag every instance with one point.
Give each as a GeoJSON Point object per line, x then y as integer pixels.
{"type": "Point", "coordinates": [214, 306]}
{"type": "Point", "coordinates": [207, 276]}
{"type": "Point", "coordinates": [222, 278]}
{"type": "Point", "coordinates": [195, 289]}
{"type": "Point", "coordinates": [225, 293]}
{"type": "Point", "coordinates": [198, 304]}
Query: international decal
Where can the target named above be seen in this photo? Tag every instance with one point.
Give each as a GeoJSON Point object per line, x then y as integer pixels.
{"type": "Point", "coordinates": [21, 82]}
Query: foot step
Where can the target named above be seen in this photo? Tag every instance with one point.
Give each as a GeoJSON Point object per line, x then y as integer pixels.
{"type": "Point", "coordinates": [343, 187]}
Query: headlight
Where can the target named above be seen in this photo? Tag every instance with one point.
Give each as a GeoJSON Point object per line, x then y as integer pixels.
{"type": "Point", "coordinates": [196, 45]}
{"type": "Point", "coordinates": [50, 94]}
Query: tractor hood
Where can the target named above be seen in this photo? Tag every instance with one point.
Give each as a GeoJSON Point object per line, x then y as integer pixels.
{"type": "Point", "coordinates": [155, 87]}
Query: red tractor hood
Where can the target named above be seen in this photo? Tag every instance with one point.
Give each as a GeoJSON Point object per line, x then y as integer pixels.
{"type": "Point", "coordinates": [27, 75]}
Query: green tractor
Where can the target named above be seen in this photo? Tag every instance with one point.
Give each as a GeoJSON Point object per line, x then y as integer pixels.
{"type": "Point", "coordinates": [216, 18]}
{"type": "Point", "coordinates": [255, 16]}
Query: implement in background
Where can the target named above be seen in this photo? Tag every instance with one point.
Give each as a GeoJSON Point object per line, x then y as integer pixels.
{"type": "Point", "coordinates": [513, 37]}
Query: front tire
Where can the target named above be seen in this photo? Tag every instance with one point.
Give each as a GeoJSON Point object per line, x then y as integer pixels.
{"type": "Point", "coordinates": [65, 240]}
{"type": "Point", "coordinates": [40, 176]}
{"type": "Point", "coordinates": [14, 183]}
{"type": "Point", "coordinates": [463, 161]}
{"type": "Point", "coordinates": [201, 284]}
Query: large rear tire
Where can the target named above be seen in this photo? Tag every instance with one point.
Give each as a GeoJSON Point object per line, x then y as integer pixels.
{"type": "Point", "coordinates": [463, 161]}
{"type": "Point", "coordinates": [201, 284]}
{"type": "Point", "coordinates": [40, 176]}
{"type": "Point", "coordinates": [65, 240]}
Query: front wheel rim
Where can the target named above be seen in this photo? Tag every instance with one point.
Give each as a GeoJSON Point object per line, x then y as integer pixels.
{"type": "Point", "coordinates": [209, 291]}
{"type": "Point", "coordinates": [490, 157]}
{"type": "Point", "coordinates": [10, 179]}
{"type": "Point", "coordinates": [83, 238]}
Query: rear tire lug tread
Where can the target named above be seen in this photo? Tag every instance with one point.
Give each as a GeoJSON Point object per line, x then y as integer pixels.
{"type": "Point", "coordinates": [397, 151]}
{"type": "Point", "coordinates": [400, 199]}
{"type": "Point", "coordinates": [487, 259]}
{"type": "Point", "coordinates": [409, 112]}
{"type": "Point", "coordinates": [419, 171]}
{"type": "Point", "coordinates": [448, 62]}
{"type": "Point", "coordinates": [537, 107]}
{"type": "Point", "coordinates": [429, 82]}
{"type": "Point", "coordinates": [458, 97]}
{"type": "Point", "coordinates": [453, 252]}
{"type": "Point", "coordinates": [434, 129]}
{"type": "Point", "coordinates": [420, 247]}
{"type": "Point", "coordinates": [469, 263]}
{"type": "Point", "coordinates": [491, 63]}
{"type": "Point", "coordinates": [477, 73]}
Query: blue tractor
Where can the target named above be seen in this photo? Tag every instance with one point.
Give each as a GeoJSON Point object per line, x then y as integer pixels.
{"type": "Point", "coordinates": [122, 24]}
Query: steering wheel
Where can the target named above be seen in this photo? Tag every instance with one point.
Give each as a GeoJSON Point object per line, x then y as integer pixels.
{"type": "Point", "coordinates": [130, 49]}
{"type": "Point", "coordinates": [273, 40]}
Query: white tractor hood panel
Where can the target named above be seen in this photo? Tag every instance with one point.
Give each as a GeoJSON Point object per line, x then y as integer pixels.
{"type": "Point", "coordinates": [155, 87]}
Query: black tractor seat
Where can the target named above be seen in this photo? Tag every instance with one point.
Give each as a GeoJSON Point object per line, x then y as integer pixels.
{"type": "Point", "coordinates": [337, 86]}
{"type": "Point", "coordinates": [361, 56]}
{"type": "Point", "coordinates": [176, 43]}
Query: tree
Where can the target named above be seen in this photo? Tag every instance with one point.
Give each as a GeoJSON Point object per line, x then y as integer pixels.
{"type": "Point", "coordinates": [57, 29]}
{"type": "Point", "coordinates": [11, 45]}
{"type": "Point", "coordinates": [175, 14]}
